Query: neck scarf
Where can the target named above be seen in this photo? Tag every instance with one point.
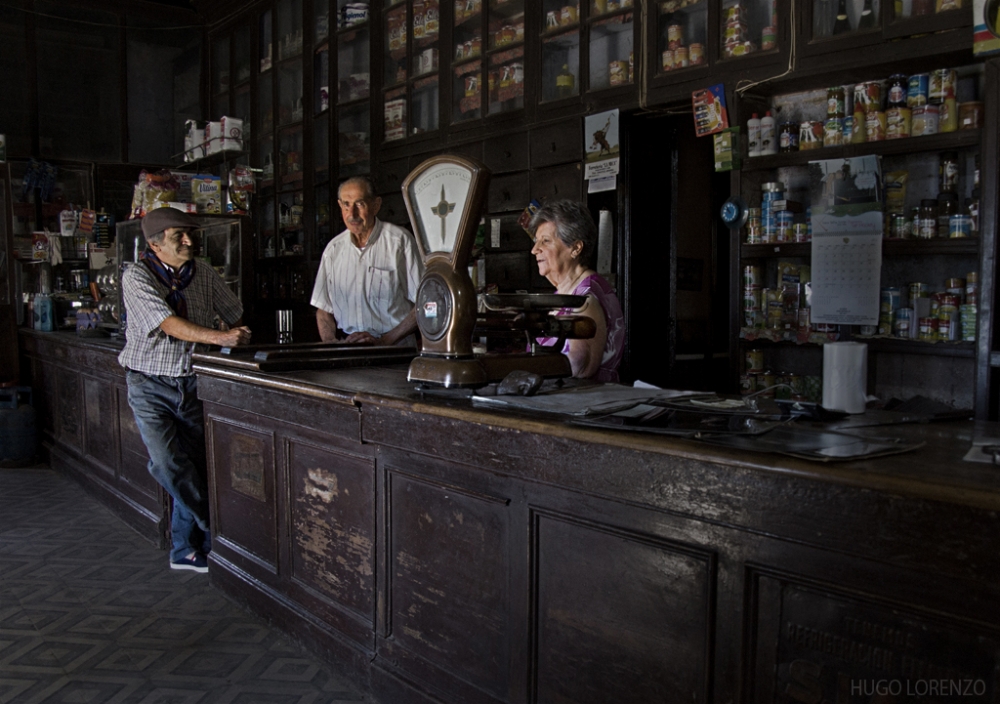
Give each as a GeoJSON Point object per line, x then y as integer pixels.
{"type": "Point", "coordinates": [175, 280]}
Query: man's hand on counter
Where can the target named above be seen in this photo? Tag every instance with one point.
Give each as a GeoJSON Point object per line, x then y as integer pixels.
{"type": "Point", "coordinates": [235, 337]}
{"type": "Point", "coordinates": [364, 337]}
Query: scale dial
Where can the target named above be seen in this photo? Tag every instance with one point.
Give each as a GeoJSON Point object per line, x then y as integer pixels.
{"type": "Point", "coordinates": [434, 307]}
{"type": "Point", "coordinates": [439, 197]}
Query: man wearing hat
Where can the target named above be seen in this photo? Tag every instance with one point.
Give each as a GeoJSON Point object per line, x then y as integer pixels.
{"type": "Point", "coordinates": [173, 303]}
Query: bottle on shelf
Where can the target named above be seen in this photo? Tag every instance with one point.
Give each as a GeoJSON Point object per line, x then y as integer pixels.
{"type": "Point", "coordinates": [565, 82]}
{"type": "Point", "coordinates": [753, 136]}
{"type": "Point", "coordinates": [768, 134]}
{"type": "Point", "coordinates": [867, 19]}
{"type": "Point", "coordinates": [841, 24]}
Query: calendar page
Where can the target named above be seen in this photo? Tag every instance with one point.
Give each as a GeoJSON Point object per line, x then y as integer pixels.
{"type": "Point", "coordinates": [846, 271]}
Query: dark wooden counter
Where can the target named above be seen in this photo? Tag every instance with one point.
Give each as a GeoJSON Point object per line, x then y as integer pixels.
{"type": "Point", "coordinates": [86, 426]}
{"type": "Point", "coordinates": [459, 554]}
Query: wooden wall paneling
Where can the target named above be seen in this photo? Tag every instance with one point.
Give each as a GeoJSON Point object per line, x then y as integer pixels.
{"type": "Point", "coordinates": [133, 460]}
{"type": "Point", "coordinates": [473, 150]}
{"type": "Point", "coordinates": [394, 210]}
{"type": "Point", "coordinates": [508, 193]}
{"type": "Point", "coordinates": [330, 534]}
{"type": "Point", "coordinates": [507, 153]}
{"type": "Point", "coordinates": [511, 271]}
{"type": "Point", "coordinates": [101, 425]}
{"type": "Point", "coordinates": [621, 616]}
{"type": "Point", "coordinates": [558, 183]}
{"type": "Point", "coordinates": [68, 407]}
{"type": "Point", "coordinates": [557, 144]}
{"type": "Point", "coordinates": [987, 404]}
{"type": "Point", "coordinates": [446, 601]}
{"type": "Point", "coordinates": [244, 510]}
{"type": "Point", "coordinates": [389, 175]}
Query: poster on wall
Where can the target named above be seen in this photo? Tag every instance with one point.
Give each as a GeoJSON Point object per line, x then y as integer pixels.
{"type": "Point", "coordinates": [600, 141]}
{"type": "Point", "coordinates": [986, 27]}
{"type": "Point", "coordinates": [709, 106]}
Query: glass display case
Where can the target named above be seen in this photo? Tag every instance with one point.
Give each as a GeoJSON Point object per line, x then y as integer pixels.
{"type": "Point", "coordinates": [834, 18]}
{"type": "Point", "coordinates": [467, 61]}
{"type": "Point", "coordinates": [749, 27]}
{"type": "Point", "coordinates": [220, 75]}
{"type": "Point", "coordinates": [353, 64]}
{"type": "Point", "coordinates": [682, 34]}
{"type": "Point", "coordinates": [560, 53]}
{"type": "Point", "coordinates": [611, 51]}
{"type": "Point", "coordinates": [354, 134]}
{"type": "Point", "coordinates": [411, 67]}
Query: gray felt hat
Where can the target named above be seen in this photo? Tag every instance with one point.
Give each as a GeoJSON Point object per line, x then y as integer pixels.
{"type": "Point", "coordinates": [160, 219]}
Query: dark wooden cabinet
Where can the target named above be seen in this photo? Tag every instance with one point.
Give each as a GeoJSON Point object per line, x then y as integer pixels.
{"type": "Point", "coordinates": [456, 555]}
{"type": "Point", "coordinates": [87, 428]}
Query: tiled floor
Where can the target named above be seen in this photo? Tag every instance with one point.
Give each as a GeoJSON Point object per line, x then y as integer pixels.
{"type": "Point", "coordinates": [90, 613]}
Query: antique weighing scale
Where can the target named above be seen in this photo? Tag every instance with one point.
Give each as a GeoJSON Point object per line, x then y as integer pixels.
{"type": "Point", "coordinates": [444, 197]}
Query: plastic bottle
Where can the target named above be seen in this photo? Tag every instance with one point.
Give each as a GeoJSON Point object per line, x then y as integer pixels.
{"type": "Point", "coordinates": [43, 313]}
{"type": "Point", "coordinates": [768, 135]}
{"type": "Point", "coordinates": [753, 136]}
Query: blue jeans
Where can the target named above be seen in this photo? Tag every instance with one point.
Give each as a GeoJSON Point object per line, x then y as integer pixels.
{"type": "Point", "coordinates": [169, 416]}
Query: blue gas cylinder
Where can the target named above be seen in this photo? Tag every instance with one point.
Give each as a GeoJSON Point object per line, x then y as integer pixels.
{"type": "Point", "coordinates": [17, 427]}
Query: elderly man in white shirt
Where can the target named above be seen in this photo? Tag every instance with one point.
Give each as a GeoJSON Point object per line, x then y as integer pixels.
{"type": "Point", "coordinates": [368, 276]}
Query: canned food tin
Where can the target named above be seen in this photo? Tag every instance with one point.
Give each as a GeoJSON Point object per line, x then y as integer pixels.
{"type": "Point", "coordinates": [835, 101]}
{"type": "Point", "coordinates": [875, 126]}
{"type": "Point", "coordinates": [959, 226]}
{"type": "Point", "coordinates": [897, 123]}
{"type": "Point", "coordinates": [751, 298]}
{"type": "Point", "coordinates": [800, 232]}
{"type": "Point", "coordinates": [890, 299]}
{"type": "Point", "coordinates": [768, 38]}
{"type": "Point", "coordinates": [899, 226]}
{"type": "Point", "coordinates": [681, 59]}
{"type": "Point", "coordinates": [868, 96]}
{"type": "Point", "coordinates": [917, 290]}
{"type": "Point", "coordinates": [848, 130]}
{"type": "Point", "coordinates": [697, 54]}
{"type": "Point", "coordinates": [784, 218]}
{"type": "Point", "coordinates": [751, 275]}
{"type": "Point", "coordinates": [810, 135]}
{"type": "Point", "coordinates": [667, 60]}
{"type": "Point", "coordinates": [867, 330]}
{"type": "Point", "coordinates": [675, 36]}
{"type": "Point", "coordinates": [748, 384]}
{"type": "Point", "coordinates": [754, 360]}
{"type": "Point", "coordinates": [928, 329]}
{"type": "Point", "coordinates": [802, 318]}
{"type": "Point", "coordinates": [941, 85]}
{"type": "Point", "coordinates": [858, 134]}
{"type": "Point", "coordinates": [970, 115]}
{"type": "Point", "coordinates": [833, 132]}
{"type": "Point", "coordinates": [765, 384]}
{"type": "Point", "coordinates": [755, 234]}
{"type": "Point", "coordinates": [925, 120]}
{"type": "Point", "coordinates": [901, 326]}
{"type": "Point", "coordinates": [797, 387]}
{"type": "Point", "coordinates": [917, 90]}
{"type": "Point", "coordinates": [948, 116]}
{"type": "Point", "coordinates": [897, 91]}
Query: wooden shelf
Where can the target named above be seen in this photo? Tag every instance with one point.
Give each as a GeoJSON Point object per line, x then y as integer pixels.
{"type": "Point", "coordinates": [890, 248]}
{"type": "Point", "coordinates": [935, 142]}
{"type": "Point", "coordinates": [938, 349]}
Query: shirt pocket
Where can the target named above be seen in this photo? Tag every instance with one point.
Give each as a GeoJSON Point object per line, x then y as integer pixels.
{"type": "Point", "coordinates": [382, 287]}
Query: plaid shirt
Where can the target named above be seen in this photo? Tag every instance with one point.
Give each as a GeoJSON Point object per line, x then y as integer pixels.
{"type": "Point", "coordinates": [150, 350]}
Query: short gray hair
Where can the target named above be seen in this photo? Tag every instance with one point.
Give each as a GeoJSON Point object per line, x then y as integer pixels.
{"type": "Point", "coordinates": [573, 224]}
{"type": "Point", "coordinates": [363, 182]}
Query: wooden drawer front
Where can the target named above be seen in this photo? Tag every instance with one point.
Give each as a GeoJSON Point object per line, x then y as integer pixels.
{"type": "Point", "coordinates": [333, 524]}
{"type": "Point", "coordinates": [473, 150]}
{"type": "Point", "coordinates": [134, 471]}
{"type": "Point", "coordinates": [448, 616]}
{"type": "Point", "coordinates": [68, 407]}
{"type": "Point", "coordinates": [506, 154]}
{"type": "Point", "coordinates": [101, 420]}
{"type": "Point", "coordinates": [390, 176]}
{"type": "Point", "coordinates": [244, 515]}
{"type": "Point", "coordinates": [509, 193]}
{"type": "Point", "coordinates": [394, 210]}
{"type": "Point", "coordinates": [621, 617]}
{"type": "Point", "coordinates": [558, 183]}
{"type": "Point", "coordinates": [557, 144]}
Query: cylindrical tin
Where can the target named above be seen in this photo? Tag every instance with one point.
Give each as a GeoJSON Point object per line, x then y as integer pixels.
{"type": "Point", "coordinates": [917, 290]}
{"type": "Point", "coordinates": [875, 126]}
{"type": "Point", "coordinates": [835, 102]}
{"type": "Point", "coordinates": [928, 329]}
{"type": "Point", "coordinates": [751, 275]}
{"type": "Point", "coordinates": [802, 318]}
{"type": "Point", "coordinates": [800, 232]}
{"type": "Point", "coordinates": [833, 132]}
{"type": "Point", "coordinates": [899, 226]}
{"type": "Point", "coordinates": [896, 97]}
{"type": "Point", "coordinates": [967, 322]}
{"type": "Point", "coordinates": [748, 384]}
{"type": "Point", "coordinates": [788, 137]}
{"type": "Point", "coordinates": [810, 135]}
{"type": "Point", "coordinates": [675, 36]}
{"type": "Point", "coordinates": [667, 60]}
{"type": "Point", "coordinates": [768, 38]}
{"type": "Point", "coordinates": [868, 97]}
{"type": "Point", "coordinates": [897, 123]}
{"type": "Point", "coordinates": [765, 384]}
{"type": "Point", "coordinates": [917, 90]}
{"type": "Point", "coordinates": [970, 115]}
{"type": "Point", "coordinates": [941, 85]}
{"type": "Point", "coordinates": [858, 133]}
{"type": "Point", "coordinates": [890, 299]}
{"type": "Point", "coordinates": [925, 120]}
{"type": "Point", "coordinates": [751, 298]}
{"type": "Point", "coordinates": [681, 59]}
{"type": "Point", "coordinates": [948, 116]}
{"type": "Point", "coordinates": [959, 226]}
{"type": "Point", "coordinates": [696, 54]}
{"type": "Point", "coordinates": [754, 360]}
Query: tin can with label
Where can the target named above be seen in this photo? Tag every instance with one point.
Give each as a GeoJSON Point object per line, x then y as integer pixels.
{"type": "Point", "coordinates": [897, 91]}
{"type": "Point", "coordinates": [755, 360]}
{"type": "Point", "coordinates": [890, 299]}
{"type": "Point", "coordinates": [697, 54]}
{"type": "Point", "coordinates": [768, 38]}
{"type": "Point", "coordinates": [681, 59]}
{"type": "Point", "coordinates": [917, 290]}
{"type": "Point", "coordinates": [800, 232]}
{"type": "Point", "coordinates": [867, 330]}
{"type": "Point", "coordinates": [917, 89]}
{"type": "Point", "coordinates": [751, 275]}
{"type": "Point", "coordinates": [967, 322]}
{"type": "Point", "coordinates": [675, 36]}
{"type": "Point", "coordinates": [748, 384]}
{"type": "Point", "coordinates": [899, 226]}
{"type": "Point", "coordinates": [833, 132]}
{"type": "Point", "coordinates": [848, 130]}
{"type": "Point", "coordinates": [667, 60]}
{"type": "Point", "coordinates": [941, 85]}
{"type": "Point", "coordinates": [802, 318]}
{"type": "Point", "coordinates": [897, 123]}
{"type": "Point", "coordinates": [765, 384]}
{"type": "Point", "coordinates": [810, 135]}
{"type": "Point", "coordinates": [901, 320]}
{"type": "Point", "coordinates": [752, 298]}
{"type": "Point", "coordinates": [928, 329]}
{"type": "Point", "coordinates": [755, 234]}
{"type": "Point", "coordinates": [875, 126]}
{"type": "Point", "coordinates": [868, 96]}
{"type": "Point", "coordinates": [835, 101]}
{"type": "Point", "coordinates": [925, 120]}
{"type": "Point", "coordinates": [788, 138]}
{"type": "Point", "coordinates": [959, 226]}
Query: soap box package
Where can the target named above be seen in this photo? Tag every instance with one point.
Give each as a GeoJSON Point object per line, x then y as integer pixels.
{"type": "Point", "coordinates": [213, 137]}
{"type": "Point", "coordinates": [232, 133]}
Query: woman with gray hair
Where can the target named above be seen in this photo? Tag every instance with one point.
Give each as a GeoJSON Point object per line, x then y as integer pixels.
{"type": "Point", "coordinates": [565, 239]}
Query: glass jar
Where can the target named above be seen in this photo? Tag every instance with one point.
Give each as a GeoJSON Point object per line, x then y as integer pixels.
{"type": "Point", "coordinates": [926, 224]}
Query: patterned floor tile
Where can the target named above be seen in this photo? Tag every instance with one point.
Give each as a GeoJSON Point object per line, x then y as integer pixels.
{"type": "Point", "coordinates": [91, 613]}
